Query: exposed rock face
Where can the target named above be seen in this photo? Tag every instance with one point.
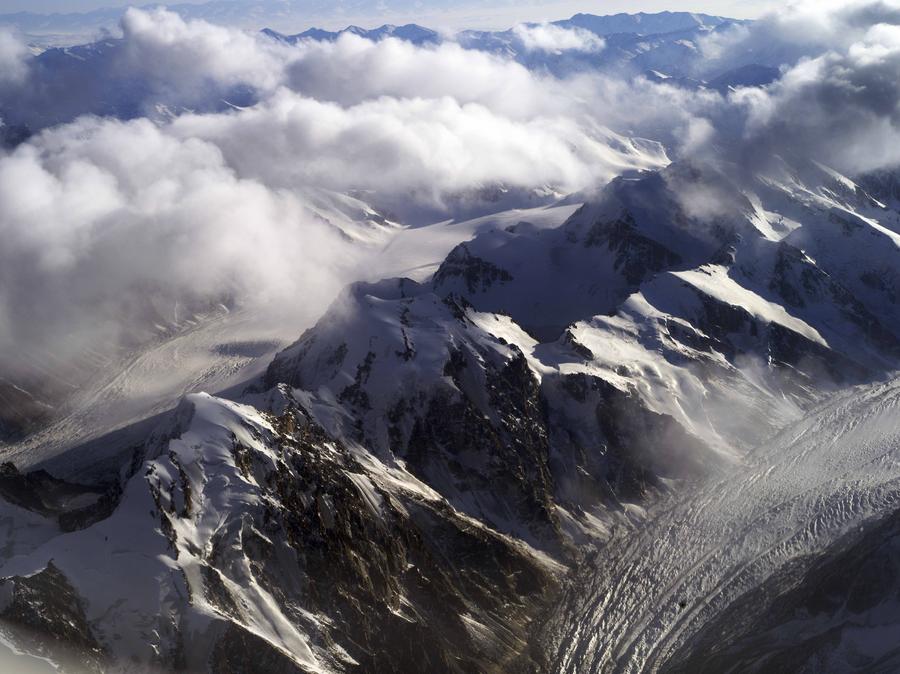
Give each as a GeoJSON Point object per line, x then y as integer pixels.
{"type": "Point", "coordinates": [470, 412]}
{"type": "Point", "coordinates": [475, 273]}
{"type": "Point", "coordinates": [293, 556]}
{"type": "Point", "coordinates": [46, 616]}
{"type": "Point", "coordinates": [489, 408]}
{"type": "Point", "coordinates": [636, 257]}
{"type": "Point", "coordinates": [497, 468]}
{"type": "Point", "coordinates": [374, 562]}
{"type": "Point", "coordinates": [639, 446]}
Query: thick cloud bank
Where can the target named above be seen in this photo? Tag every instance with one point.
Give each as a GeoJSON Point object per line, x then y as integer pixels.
{"type": "Point", "coordinates": [204, 195]}
{"type": "Point", "coordinates": [111, 224]}
{"type": "Point", "coordinates": [837, 100]}
{"type": "Point", "coordinates": [108, 225]}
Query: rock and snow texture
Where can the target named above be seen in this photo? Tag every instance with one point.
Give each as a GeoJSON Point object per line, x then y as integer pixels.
{"type": "Point", "coordinates": [634, 331]}
{"type": "Point", "coordinates": [553, 423]}
{"type": "Point", "coordinates": [691, 312]}
{"type": "Point", "coordinates": [410, 481]}
{"type": "Point", "coordinates": [247, 539]}
{"type": "Point", "coordinates": [96, 402]}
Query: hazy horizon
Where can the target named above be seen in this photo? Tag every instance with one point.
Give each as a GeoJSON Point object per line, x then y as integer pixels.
{"type": "Point", "coordinates": [439, 13]}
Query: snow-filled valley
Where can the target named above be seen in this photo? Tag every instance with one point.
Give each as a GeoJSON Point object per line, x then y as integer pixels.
{"type": "Point", "coordinates": [316, 356]}
{"type": "Point", "coordinates": [718, 561]}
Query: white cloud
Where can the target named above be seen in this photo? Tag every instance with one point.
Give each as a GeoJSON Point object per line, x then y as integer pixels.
{"type": "Point", "coordinates": [406, 149]}
{"type": "Point", "coordinates": [353, 69]}
{"type": "Point", "coordinates": [185, 57]}
{"type": "Point", "coordinates": [13, 55]}
{"type": "Point", "coordinates": [99, 213]}
{"type": "Point", "coordinates": [838, 100]}
{"type": "Point", "coordinates": [99, 216]}
{"type": "Point", "coordinates": [550, 38]}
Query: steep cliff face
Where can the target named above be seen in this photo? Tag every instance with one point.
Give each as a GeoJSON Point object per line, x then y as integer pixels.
{"type": "Point", "coordinates": [484, 414]}
{"type": "Point", "coordinates": [268, 544]}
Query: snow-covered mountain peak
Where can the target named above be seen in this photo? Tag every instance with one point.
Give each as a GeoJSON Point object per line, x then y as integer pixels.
{"type": "Point", "coordinates": [557, 403]}
{"type": "Point", "coordinates": [514, 408]}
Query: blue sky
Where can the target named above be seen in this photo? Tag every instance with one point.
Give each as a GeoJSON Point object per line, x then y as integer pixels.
{"type": "Point", "coordinates": [484, 12]}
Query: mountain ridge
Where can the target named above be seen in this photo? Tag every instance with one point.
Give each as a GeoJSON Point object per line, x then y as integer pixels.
{"type": "Point", "coordinates": [417, 422]}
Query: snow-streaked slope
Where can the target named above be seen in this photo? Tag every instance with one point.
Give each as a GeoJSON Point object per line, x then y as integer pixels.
{"type": "Point", "coordinates": [107, 561]}
{"type": "Point", "coordinates": [693, 292]}
{"type": "Point", "coordinates": [833, 474]}
{"type": "Point", "coordinates": [637, 226]}
{"type": "Point", "coordinates": [250, 539]}
{"type": "Point", "coordinates": [394, 357]}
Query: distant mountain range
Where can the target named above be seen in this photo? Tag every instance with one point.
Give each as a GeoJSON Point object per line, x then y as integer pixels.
{"type": "Point", "coordinates": [69, 28]}
{"type": "Point", "coordinates": [667, 41]}
{"type": "Point", "coordinates": [661, 47]}
{"type": "Point", "coordinates": [635, 24]}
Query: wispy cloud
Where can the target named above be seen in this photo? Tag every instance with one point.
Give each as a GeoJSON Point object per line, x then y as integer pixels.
{"type": "Point", "coordinates": [13, 53]}
{"type": "Point", "coordinates": [551, 38]}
